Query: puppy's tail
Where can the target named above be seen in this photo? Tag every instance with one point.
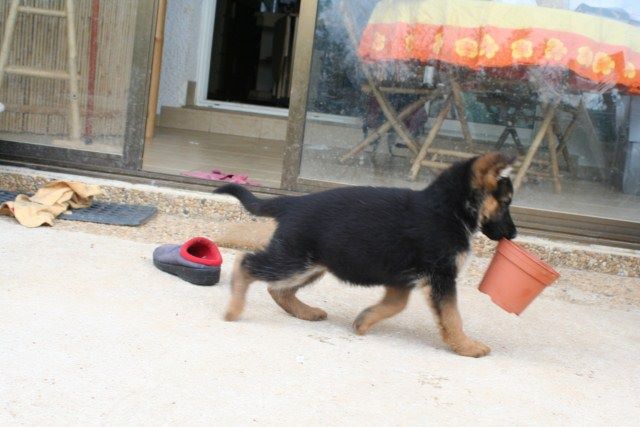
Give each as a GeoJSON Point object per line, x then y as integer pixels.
{"type": "Point", "coordinates": [259, 207]}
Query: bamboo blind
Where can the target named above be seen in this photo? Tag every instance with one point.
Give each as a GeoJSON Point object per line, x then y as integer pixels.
{"type": "Point", "coordinates": [39, 105]}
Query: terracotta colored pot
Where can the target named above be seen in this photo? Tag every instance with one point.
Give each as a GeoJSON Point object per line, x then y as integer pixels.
{"type": "Point", "coordinates": [515, 277]}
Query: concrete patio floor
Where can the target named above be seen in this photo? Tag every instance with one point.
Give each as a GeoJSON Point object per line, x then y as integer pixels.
{"type": "Point", "coordinates": [91, 333]}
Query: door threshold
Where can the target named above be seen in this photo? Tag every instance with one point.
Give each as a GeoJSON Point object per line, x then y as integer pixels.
{"type": "Point", "coordinates": [235, 107]}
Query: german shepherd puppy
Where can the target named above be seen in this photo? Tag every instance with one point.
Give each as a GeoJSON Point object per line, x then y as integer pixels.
{"type": "Point", "coordinates": [398, 238]}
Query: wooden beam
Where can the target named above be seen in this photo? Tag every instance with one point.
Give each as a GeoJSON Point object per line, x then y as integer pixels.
{"type": "Point", "coordinates": [526, 163]}
{"type": "Point", "coordinates": [431, 137]}
{"type": "Point", "coordinates": [156, 66]}
{"type": "Point", "coordinates": [40, 11]}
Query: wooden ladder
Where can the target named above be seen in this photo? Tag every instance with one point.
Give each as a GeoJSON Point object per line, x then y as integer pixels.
{"type": "Point", "coordinates": [71, 74]}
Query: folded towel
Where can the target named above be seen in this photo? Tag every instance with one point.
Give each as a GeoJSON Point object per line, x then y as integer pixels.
{"type": "Point", "coordinates": [50, 201]}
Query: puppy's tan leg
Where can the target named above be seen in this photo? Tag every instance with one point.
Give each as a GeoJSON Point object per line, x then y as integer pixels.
{"type": "Point", "coordinates": [286, 298]}
{"type": "Point", "coordinates": [450, 324]}
{"type": "Point", "coordinates": [240, 281]}
{"type": "Point", "coordinates": [284, 294]}
{"type": "Point", "coordinates": [393, 302]}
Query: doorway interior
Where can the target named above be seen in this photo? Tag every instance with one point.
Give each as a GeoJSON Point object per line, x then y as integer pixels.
{"type": "Point", "coordinates": [235, 114]}
{"type": "Point", "coordinates": [252, 52]}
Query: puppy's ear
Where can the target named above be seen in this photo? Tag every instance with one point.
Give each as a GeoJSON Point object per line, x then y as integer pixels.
{"type": "Point", "coordinates": [488, 169]}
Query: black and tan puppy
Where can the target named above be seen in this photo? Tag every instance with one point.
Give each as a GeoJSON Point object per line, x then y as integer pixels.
{"type": "Point", "coordinates": [397, 238]}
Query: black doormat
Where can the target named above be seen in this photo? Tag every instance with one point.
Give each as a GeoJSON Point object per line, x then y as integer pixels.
{"type": "Point", "coordinates": [102, 213]}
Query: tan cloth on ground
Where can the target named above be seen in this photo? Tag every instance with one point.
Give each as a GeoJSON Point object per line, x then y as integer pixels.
{"type": "Point", "coordinates": [50, 201]}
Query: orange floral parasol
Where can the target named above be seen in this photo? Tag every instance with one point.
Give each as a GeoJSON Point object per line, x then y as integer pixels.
{"type": "Point", "coordinates": [480, 34]}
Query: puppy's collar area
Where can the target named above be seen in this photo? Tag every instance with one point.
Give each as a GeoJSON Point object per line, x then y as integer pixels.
{"type": "Point", "coordinates": [471, 221]}
{"type": "Point", "coordinates": [471, 208]}
{"type": "Point", "coordinates": [474, 201]}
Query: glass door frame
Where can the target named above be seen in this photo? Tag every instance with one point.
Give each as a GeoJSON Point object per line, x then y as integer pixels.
{"type": "Point", "coordinates": [300, 78]}
{"type": "Point", "coordinates": [137, 101]}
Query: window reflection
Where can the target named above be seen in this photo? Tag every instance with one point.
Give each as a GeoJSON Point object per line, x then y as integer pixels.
{"type": "Point", "coordinates": [556, 86]}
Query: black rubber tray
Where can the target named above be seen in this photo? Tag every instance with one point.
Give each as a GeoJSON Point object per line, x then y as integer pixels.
{"type": "Point", "coordinates": [102, 213]}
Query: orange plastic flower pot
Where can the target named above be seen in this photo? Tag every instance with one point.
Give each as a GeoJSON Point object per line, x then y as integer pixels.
{"type": "Point", "coordinates": [515, 277]}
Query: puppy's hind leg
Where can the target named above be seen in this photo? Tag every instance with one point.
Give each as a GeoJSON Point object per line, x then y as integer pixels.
{"type": "Point", "coordinates": [240, 281]}
{"type": "Point", "coordinates": [283, 293]}
{"type": "Point", "coordinates": [393, 302]}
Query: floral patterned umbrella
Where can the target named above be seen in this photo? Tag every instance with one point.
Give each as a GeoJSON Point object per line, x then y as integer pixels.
{"type": "Point", "coordinates": [486, 35]}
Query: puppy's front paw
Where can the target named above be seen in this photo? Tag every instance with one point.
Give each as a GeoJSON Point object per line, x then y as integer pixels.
{"type": "Point", "coordinates": [471, 348]}
{"type": "Point", "coordinates": [232, 314]}
{"type": "Point", "coordinates": [361, 325]}
{"type": "Point", "coordinates": [312, 314]}
{"type": "Point", "coordinates": [234, 309]}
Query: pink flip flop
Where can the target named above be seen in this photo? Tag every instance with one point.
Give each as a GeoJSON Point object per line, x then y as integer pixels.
{"type": "Point", "coordinates": [216, 175]}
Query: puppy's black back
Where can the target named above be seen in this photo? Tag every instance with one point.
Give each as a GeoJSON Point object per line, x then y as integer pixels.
{"type": "Point", "coordinates": [366, 235]}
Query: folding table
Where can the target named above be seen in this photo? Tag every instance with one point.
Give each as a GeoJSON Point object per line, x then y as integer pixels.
{"type": "Point", "coordinates": [560, 52]}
